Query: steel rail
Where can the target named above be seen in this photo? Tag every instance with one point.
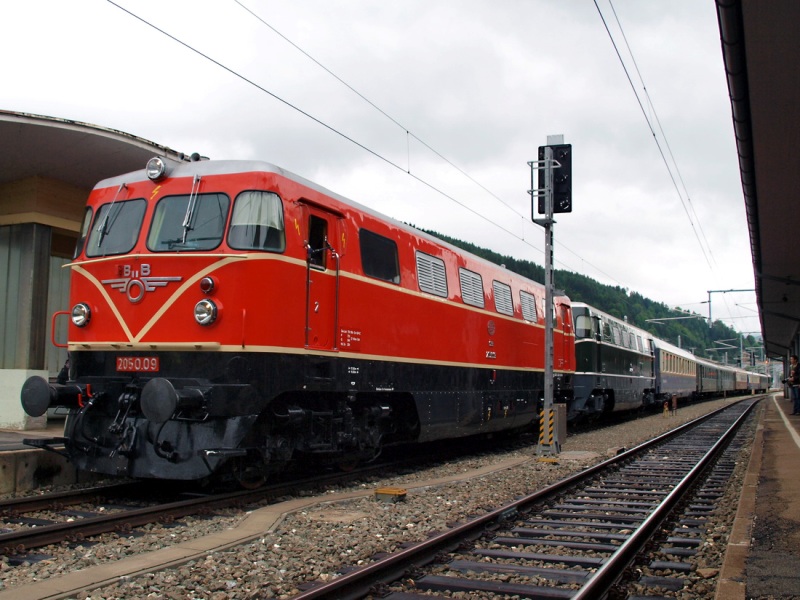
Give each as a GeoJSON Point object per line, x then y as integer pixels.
{"type": "Point", "coordinates": [22, 540]}
{"type": "Point", "coordinates": [9, 506]}
{"type": "Point", "coordinates": [358, 582]}
{"type": "Point", "coordinates": [601, 581]}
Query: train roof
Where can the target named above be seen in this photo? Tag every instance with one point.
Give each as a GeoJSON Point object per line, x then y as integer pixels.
{"type": "Point", "coordinates": [205, 167]}
{"type": "Point", "coordinates": [609, 317]}
{"type": "Point", "coordinates": [659, 343]}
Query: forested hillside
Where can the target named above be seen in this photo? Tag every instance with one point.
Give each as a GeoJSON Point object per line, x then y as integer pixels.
{"type": "Point", "coordinates": [692, 334]}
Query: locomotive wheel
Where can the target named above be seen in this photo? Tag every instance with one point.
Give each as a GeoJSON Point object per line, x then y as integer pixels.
{"type": "Point", "coordinates": [346, 465]}
{"type": "Point", "coordinates": [249, 473]}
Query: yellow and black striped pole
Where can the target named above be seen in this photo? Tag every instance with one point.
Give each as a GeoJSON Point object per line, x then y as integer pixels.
{"type": "Point", "coordinates": [547, 427]}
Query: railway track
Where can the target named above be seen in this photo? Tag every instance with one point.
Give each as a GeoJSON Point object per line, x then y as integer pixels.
{"type": "Point", "coordinates": [574, 539]}
{"type": "Point", "coordinates": [121, 508]}
{"type": "Point", "coordinates": [32, 522]}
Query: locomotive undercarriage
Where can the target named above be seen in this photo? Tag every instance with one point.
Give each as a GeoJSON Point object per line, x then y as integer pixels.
{"type": "Point", "coordinates": [193, 428]}
{"type": "Point", "coordinates": [246, 416]}
{"type": "Point", "coordinates": [111, 434]}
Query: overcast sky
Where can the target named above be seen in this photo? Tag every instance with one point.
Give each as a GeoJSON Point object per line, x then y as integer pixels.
{"type": "Point", "coordinates": [459, 93]}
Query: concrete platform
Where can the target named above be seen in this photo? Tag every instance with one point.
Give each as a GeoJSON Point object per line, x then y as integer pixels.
{"type": "Point", "coordinates": [763, 551]}
{"type": "Point", "coordinates": [23, 468]}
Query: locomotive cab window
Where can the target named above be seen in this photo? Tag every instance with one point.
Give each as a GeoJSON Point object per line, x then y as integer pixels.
{"type": "Point", "coordinates": [379, 256]}
{"type": "Point", "coordinates": [257, 222]}
{"type": "Point", "coordinates": [87, 221]}
{"type": "Point", "coordinates": [317, 241]}
{"type": "Point", "coordinates": [583, 326]}
{"type": "Point", "coordinates": [116, 228]}
{"type": "Point", "coordinates": [188, 222]}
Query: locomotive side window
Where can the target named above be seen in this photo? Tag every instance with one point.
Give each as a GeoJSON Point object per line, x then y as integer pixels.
{"type": "Point", "coordinates": [502, 298]}
{"type": "Point", "coordinates": [528, 303]}
{"type": "Point", "coordinates": [431, 274]}
{"type": "Point", "coordinates": [190, 222]}
{"type": "Point", "coordinates": [317, 241]}
{"type": "Point", "coordinates": [471, 287]}
{"type": "Point", "coordinates": [87, 221]}
{"type": "Point", "coordinates": [257, 222]}
{"type": "Point", "coordinates": [116, 228]}
{"type": "Point", "coordinates": [379, 256]}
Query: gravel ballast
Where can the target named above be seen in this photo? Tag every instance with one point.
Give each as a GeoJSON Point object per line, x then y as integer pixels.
{"type": "Point", "coordinates": [314, 543]}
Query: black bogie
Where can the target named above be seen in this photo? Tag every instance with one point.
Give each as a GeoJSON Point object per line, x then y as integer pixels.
{"type": "Point", "coordinates": [251, 414]}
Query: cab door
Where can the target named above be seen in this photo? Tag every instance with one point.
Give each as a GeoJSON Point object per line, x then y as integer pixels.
{"type": "Point", "coordinates": [322, 279]}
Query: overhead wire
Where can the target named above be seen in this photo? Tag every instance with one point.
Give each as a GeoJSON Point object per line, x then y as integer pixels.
{"type": "Point", "coordinates": [652, 131]}
{"type": "Point", "coordinates": [661, 130]}
{"type": "Point", "coordinates": [408, 132]}
{"type": "Point", "coordinates": [352, 140]}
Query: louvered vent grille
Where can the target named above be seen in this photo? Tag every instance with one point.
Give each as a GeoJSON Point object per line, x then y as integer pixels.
{"type": "Point", "coordinates": [431, 275]}
{"type": "Point", "coordinates": [471, 288]}
{"type": "Point", "coordinates": [528, 302]}
{"type": "Point", "coordinates": [502, 298]}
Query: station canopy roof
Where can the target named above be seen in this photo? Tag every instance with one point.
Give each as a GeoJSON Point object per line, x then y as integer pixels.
{"type": "Point", "coordinates": [76, 153]}
{"type": "Point", "coordinates": [761, 50]}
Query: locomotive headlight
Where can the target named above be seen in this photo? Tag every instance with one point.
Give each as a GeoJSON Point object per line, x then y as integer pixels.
{"type": "Point", "coordinates": [81, 314]}
{"type": "Point", "coordinates": [205, 312]}
{"type": "Point", "coordinates": [207, 285]}
{"type": "Point", "coordinates": [156, 168]}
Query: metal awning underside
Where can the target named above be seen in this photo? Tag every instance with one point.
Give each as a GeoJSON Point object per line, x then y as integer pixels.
{"type": "Point", "coordinates": [761, 50]}
{"type": "Point", "coordinates": [76, 153]}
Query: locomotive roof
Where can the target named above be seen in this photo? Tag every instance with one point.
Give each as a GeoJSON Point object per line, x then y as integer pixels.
{"type": "Point", "coordinates": [228, 167]}
{"type": "Point", "coordinates": [609, 317]}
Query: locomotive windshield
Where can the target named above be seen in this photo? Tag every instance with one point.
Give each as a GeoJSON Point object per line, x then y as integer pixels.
{"type": "Point", "coordinates": [191, 222]}
{"type": "Point", "coordinates": [116, 228]}
{"type": "Point", "coordinates": [583, 326]}
{"type": "Point", "coordinates": [257, 222]}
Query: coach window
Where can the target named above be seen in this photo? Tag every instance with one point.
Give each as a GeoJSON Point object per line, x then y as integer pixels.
{"type": "Point", "coordinates": [502, 299]}
{"type": "Point", "coordinates": [471, 287]}
{"type": "Point", "coordinates": [188, 222]}
{"type": "Point", "coordinates": [116, 228]}
{"type": "Point", "coordinates": [379, 256]}
{"type": "Point", "coordinates": [257, 222]}
{"type": "Point", "coordinates": [431, 275]}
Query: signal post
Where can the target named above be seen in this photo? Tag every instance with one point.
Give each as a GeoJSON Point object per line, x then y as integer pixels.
{"type": "Point", "coordinates": [553, 194]}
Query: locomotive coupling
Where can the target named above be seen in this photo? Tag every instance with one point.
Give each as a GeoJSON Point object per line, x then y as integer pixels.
{"type": "Point", "coordinates": [38, 395]}
{"type": "Point", "coordinates": [160, 400]}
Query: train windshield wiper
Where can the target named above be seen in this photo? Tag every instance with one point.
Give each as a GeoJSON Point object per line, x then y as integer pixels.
{"type": "Point", "coordinates": [105, 227]}
{"type": "Point", "coordinates": [191, 208]}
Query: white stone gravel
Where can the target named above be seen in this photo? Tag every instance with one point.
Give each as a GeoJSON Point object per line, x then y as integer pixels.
{"type": "Point", "coordinates": [315, 543]}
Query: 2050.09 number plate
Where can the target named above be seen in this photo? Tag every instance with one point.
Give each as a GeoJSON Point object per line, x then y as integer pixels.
{"type": "Point", "coordinates": [138, 364]}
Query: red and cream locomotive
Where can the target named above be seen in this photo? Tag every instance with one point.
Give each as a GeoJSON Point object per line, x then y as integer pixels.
{"type": "Point", "coordinates": [229, 317]}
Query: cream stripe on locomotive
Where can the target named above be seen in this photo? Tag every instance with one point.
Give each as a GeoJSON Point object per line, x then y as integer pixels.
{"type": "Point", "coordinates": [150, 346]}
{"type": "Point", "coordinates": [230, 258]}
